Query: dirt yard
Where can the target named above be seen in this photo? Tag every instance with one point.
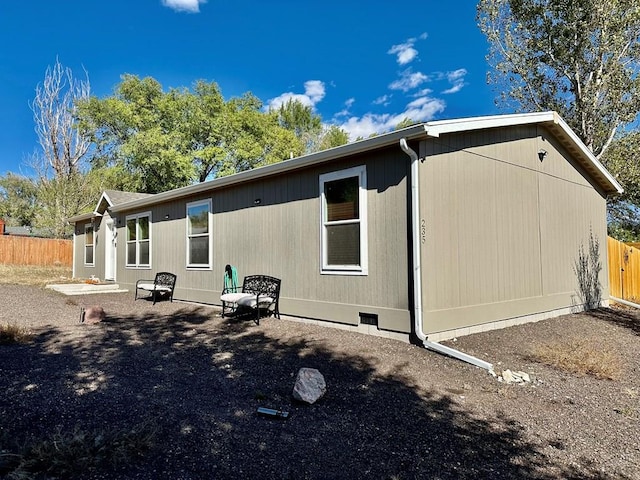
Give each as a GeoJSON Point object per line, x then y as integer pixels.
{"type": "Point", "coordinates": [171, 391]}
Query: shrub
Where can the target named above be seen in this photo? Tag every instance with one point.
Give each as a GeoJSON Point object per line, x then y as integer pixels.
{"type": "Point", "coordinates": [12, 333]}
{"type": "Point", "coordinates": [587, 268]}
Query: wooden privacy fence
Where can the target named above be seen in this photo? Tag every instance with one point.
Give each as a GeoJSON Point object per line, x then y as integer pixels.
{"type": "Point", "coordinates": [624, 270]}
{"type": "Point", "coordinates": [16, 250]}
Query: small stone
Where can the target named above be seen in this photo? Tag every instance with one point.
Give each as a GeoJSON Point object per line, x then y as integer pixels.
{"type": "Point", "coordinates": [94, 314]}
{"type": "Point", "coordinates": [310, 386]}
{"type": "Point", "coordinates": [525, 376]}
{"type": "Point", "coordinates": [508, 376]}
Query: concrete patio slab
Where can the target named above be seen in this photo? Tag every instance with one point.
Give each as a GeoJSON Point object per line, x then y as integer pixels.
{"type": "Point", "coordinates": [86, 288]}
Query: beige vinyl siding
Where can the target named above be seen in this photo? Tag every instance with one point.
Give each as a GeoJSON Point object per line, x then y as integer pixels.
{"type": "Point", "coordinates": [503, 228]}
{"type": "Point", "coordinates": [280, 236]}
{"type": "Point", "coordinates": [81, 270]}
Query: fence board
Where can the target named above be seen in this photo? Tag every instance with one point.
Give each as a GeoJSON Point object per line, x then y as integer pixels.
{"type": "Point", "coordinates": [624, 270]}
{"type": "Point", "coordinates": [17, 250]}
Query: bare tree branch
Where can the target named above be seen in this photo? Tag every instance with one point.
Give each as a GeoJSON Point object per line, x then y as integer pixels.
{"type": "Point", "coordinates": [54, 113]}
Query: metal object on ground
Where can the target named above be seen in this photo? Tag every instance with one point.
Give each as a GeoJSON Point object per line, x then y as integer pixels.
{"type": "Point", "coordinates": [270, 412]}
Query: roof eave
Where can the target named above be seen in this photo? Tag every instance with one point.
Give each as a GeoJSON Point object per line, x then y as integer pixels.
{"type": "Point", "coordinates": [83, 216]}
{"type": "Point", "coordinates": [550, 118]}
{"type": "Point", "coordinates": [429, 129]}
{"type": "Point", "coordinates": [410, 133]}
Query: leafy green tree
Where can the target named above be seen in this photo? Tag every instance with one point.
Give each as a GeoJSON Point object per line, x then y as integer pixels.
{"type": "Point", "coordinates": [580, 59]}
{"type": "Point", "coordinates": [299, 118]}
{"type": "Point", "coordinates": [622, 159]}
{"type": "Point", "coordinates": [156, 141]}
{"type": "Point", "coordinates": [308, 127]}
{"type": "Point", "coordinates": [62, 197]}
{"type": "Point", "coordinates": [406, 122]}
{"type": "Point", "coordinates": [256, 138]}
{"type": "Point", "coordinates": [138, 130]}
{"type": "Point", "coordinates": [18, 200]}
{"type": "Point", "coordinates": [333, 136]}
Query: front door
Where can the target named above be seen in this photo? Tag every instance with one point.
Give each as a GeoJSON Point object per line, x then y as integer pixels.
{"type": "Point", "coordinates": [110, 251]}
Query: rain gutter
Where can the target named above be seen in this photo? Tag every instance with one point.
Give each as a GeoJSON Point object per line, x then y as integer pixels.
{"type": "Point", "coordinates": [417, 269]}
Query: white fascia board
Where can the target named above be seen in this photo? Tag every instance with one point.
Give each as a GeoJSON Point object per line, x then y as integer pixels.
{"type": "Point", "coordinates": [415, 131]}
{"type": "Point", "coordinates": [105, 197]}
{"type": "Point", "coordinates": [588, 153]}
{"type": "Point", "coordinates": [83, 216]}
{"type": "Point", "coordinates": [437, 128]}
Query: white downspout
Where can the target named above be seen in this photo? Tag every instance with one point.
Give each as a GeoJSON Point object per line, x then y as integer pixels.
{"type": "Point", "coordinates": [417, 268]}
{"type": "Point", "coordinates": [73, 253]}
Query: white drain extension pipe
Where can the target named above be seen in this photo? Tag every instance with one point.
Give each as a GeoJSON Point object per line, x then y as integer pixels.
{"type": "Point", "coordinates": [417, 268]}
{"type": "Point", "coordinates": [624, 302]}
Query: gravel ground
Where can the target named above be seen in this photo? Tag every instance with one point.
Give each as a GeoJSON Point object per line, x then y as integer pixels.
{"type": "Point", "coordinates": [392, 410]}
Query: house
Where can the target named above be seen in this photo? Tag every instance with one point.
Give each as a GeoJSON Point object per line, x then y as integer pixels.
{"type": "Point", "coordinates": [21, 231]}
{"type": "Point", "coordinates": [436, 230]}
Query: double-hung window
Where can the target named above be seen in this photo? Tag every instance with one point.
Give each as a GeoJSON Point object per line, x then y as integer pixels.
{"type": "Point", "coordinates": [343, 199]}
{"type": "Point", "coordinates": [139, 240]}
{"type": "Point", "coordinates": [89, 244]}
{"type": "Point", "coordinates": [199, 234]}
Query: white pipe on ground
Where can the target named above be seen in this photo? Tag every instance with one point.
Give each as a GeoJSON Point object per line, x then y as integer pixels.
{"type": "Point", "coordinates": [417, 268]}
{"type": "Point", "coordinates": [624, 302]}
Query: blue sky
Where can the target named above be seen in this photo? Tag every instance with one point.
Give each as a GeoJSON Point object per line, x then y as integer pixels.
{"type": "Point", "coordinates": [362, 65]}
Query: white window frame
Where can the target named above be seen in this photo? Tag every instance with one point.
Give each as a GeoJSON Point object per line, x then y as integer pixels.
{"type": "Point", "coordinates": [137, 241]}
{"type": "Point", "coordinates": [209, 234]}
{"type": "Point", "coordinates": [87, 227]}
{"type": "Point", "coordinates": [363, 268]}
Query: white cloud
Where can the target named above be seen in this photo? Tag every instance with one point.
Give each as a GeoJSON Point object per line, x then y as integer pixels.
{"type": "Point", "coordinates": [345, 111]}
{"type": "Point", "coordinates": [384, 100]}
{"type": "Point", "coordinates": [405, 53]}
{"type": "Point", "coordinates": [314, 89]}
{"type": "Point", "coordinates": [420, 110]}
{"type": "Point", "coordinates": [191, 6]}
{"type": "Point", "coordinates": [423, 93]}
{"type": "Point", "coordinates": [456, 79]}
{"type": "Point", "coordinates": [408, 80]}
{"type": "Point", "coordinates": [314, 92]}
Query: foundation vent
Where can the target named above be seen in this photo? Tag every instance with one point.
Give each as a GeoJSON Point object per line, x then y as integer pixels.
{"type": "Point", "coordinates": [368, 319]}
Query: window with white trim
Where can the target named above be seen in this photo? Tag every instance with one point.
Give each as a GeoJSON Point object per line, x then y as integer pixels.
{"type": "Point", "coordinates": [343, 200]}
{"type": "Point", "coordinates": [89, 244]}
{"type": "Point", "coordinates": [199, 234]}
{"type": "Point", "coordinates": [139, 240]}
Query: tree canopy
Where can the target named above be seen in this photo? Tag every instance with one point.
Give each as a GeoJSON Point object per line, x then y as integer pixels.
{"type": "Point", "coordinates": [163, 140]}
{"type": "Point", "coordinates": [17, 200]}
{"type": "Point", "coordinates": [146, 139]}
{"type": "Point", "coordinates": [581, 59]}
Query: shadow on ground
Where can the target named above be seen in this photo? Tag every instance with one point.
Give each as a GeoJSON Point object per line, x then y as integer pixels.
{"type": "Point", "coordinates": [199, 379]}
{"type": "Point", "coordinates": [618, 317]}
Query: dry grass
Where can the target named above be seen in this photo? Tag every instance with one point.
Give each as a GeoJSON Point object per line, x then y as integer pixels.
{"type": "Point", "coordinates": [34, 275]}
{"type": "Point", "coordinates": [12, 333]}
{"type": "Point", "coordinates": [581, 356]}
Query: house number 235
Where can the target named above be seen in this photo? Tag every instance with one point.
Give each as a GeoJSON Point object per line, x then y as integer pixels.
{"type": "Point", "coordinates": [423, 231]}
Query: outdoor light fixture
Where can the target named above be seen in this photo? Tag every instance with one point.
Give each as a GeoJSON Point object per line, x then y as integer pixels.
{"type": "Point", "coordinates": [541, 154]}
{"type": "Point", "coordinates": [257, 201]}
{"type": "Point", "coordinates": [166, 217]}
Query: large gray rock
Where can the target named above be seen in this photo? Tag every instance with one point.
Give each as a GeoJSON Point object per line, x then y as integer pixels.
{"type": "Point", "coordinates": [310, 386]}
